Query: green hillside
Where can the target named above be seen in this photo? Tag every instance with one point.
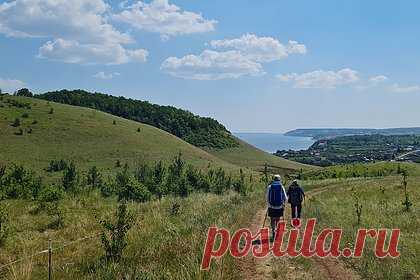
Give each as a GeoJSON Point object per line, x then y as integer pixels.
{"type": "Point", "coordinates": [251, 157]}
{"type": "Point", "coordinates": [196, 130]}
{"type": "Point", "coordinates": [85, 136]}
{"type": "Point", "coordinates": [52, 131]}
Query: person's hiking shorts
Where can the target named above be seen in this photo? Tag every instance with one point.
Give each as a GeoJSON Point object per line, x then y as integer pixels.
{"type": "Point", "coordinates": [275, 213]}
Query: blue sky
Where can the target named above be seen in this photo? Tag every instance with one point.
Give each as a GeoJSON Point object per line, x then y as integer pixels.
{"type": "Point", "coordinates": [254, 65]}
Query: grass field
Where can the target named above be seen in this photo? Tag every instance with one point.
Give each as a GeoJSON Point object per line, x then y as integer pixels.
{"type": "Point", "coordinates": [161, 245]}
{"type": "Point", "coordinates": [381, 200]}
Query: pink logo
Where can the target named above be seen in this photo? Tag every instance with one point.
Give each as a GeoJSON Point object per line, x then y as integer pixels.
{"type": "Point", "coordinates": [326, 244]}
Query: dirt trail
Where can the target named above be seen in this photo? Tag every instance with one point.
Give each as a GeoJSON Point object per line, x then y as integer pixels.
{"type": "Point", "coordinates": [283, 268]}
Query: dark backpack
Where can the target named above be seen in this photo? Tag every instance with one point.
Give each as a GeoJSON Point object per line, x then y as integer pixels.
{"type": "Point", "coordinates": [276, 195]}
{"type": "Point", "coordinates": [295, 195]}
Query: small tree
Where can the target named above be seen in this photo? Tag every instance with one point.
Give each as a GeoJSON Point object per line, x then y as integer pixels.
{"type": "Point", "coordinates": [358, 206]}
{"type": "Point", "coordinates": [158, 180]}
{"type": "Point", "coordinates": [114, 235]}
{"type": "Point", "coordinates": [240, 185]}
{"type": "Point", "coordinates": [70, 178]}
{"type": "Point", "coordinates": [406, 203]}
{"type": "Point", "coordinates": [129, 188]}
{"type": "Point", "coordinates": [16, 122]}
{"type": "Point", "coordinates": [51, 111]}
{"type": "Point", "coordinates": [384, 199]}
{"type": "Point", "coordinates": [108, 188]}
{"type": "Point", "coordinates": [266, 174]}
{"type": "Point", "coordinates": [142, 173]}
{"type": "Point", "coordinates": [175, 175]}
{"type": "Point", "coordinates": [4, 225]}
{"type": "Point", "coordinates": [94, 177]}
{"type": "Point", "coordinates": [49, 201]}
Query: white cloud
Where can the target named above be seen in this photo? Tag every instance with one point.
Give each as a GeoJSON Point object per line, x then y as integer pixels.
{"type": "Point", "coordinates": [74, 52]}
{"type": "Point", "coordinates": [81, 20]}
{"type": "Point", "coordinates": [166, 19]}
{"type": "Point", "coordinates": [104, 76]}
{"type": "Point", "coordinates": [321, 79]}
{"type": "Point", "coordinates": [378, 79]}
{"type": "Point", "coordinates": [400, 89]}
{"type": "Point", "coordinates": [260, 49]}
{"type": "Point", "coordinates": [81, 25]}
{"type": "Point", "coordinates": [10, 85]}
{"type": "Point", "coordinates": [212, 65]}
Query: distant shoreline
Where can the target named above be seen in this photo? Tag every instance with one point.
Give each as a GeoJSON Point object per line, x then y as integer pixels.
{"type": "Point", "coordinates": [272, 142]}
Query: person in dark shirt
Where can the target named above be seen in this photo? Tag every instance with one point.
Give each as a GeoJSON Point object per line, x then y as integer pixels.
{"type": "Point", "coordinates": [296, 196]}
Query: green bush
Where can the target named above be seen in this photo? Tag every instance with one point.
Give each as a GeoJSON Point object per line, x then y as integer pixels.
{"type": "Point", "coordinates": [57, 165]}
{"type": "Point", "coordinates": [20, 183]}
{"type": "Point", "coordinates": [49, 201]}
{"type": "Point", "coordinates": [94, 177]}
{"type": "Point", "coordinates": [16, 123]}
{"type": "Point", "coordinates": [70, 178]}
{"type": "Point", "coordinates": [114, 235]}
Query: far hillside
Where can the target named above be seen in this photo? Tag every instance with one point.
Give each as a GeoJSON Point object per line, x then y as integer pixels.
{"type": "Point", "coordinates": [196, 130]}
{"type": "Point", "coordinates": [323, 133]}
{"type": "Point", "coordinates": [33, 132]}
{"type": "Point", "coordinates": [358, 148]}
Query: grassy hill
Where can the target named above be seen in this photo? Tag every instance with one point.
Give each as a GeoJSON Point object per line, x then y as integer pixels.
{"type": "Point", "coordinates": [251, 157]}
{"type": "Point", "coordinates": [53, 131]}
{"type": "Point", "coordinates": [196, 130]}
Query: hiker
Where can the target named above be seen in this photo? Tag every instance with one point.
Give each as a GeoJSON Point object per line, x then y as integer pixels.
{"type": "Point", "coordinates": [276, 198]}
{"type": "Point", "coordinates": [296, 196]}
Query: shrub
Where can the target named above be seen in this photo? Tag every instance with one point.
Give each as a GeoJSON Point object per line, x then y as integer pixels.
{"type": "Point", "coordinates": [16, 123]}
{"type": "Point", "coordinates": [49, 201]}
{"type": "Point", "coordinates": [25, 115]}
{"type": "Point", "coordinates": [94, 178]}
{"type": "Point", "coordinates": [51, 111]}
{"type": "Point", "coordinates": [240, 185]}
{"type": "Point", "coordinates": [406, 203]}
{"type": "Point", "coordinates": [4, 225]}
{"type": "Point", "coordinates": [70, 178]}
{"type": "Point", "coordinates": [19, 132]}
{"type": "Point", "coordinates": [57, 165]}
{"type": "Point", "coordinates": [114, 235]}
{"type": "Point", "coordinates": [358, 207]}
{"type": "Point", "coordinates": [34, 122]}
{"type": "Point", "coordinates": [20, 183]}
{"type": "Point", "coordinates": [158, 186]}
{"type": "Point", "coordinates": [133, 190]}
{"type": "Point", "coordinates": [107, 189]}
{"type": "Point", "coordinates": [143, 173]}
